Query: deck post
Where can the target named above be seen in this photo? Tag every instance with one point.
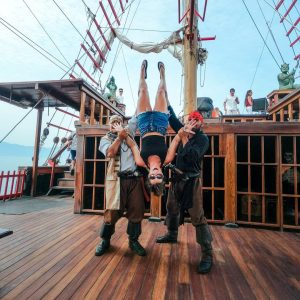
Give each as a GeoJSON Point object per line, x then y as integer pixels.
{"type": "Point", "coordinates": [299, 110]}
{"type": "Point", "coordinates": [78, 193]}
{"type": "Point", "coordinates": [155, 208]}
{"type": "Point", "coordinates": [82, 107]}
{"type": "Point", "coordinates": [107, 116]}
{"type": "Point", "coordinates": [290, 111]}
{"type": "Point", "coordinates": [101, 115]}
{"type": "Point", "coordinates": [92, 107]}
{"type": "Point", "coordinates": [190, 50]}
{"type": "Point", "coordinates": [230, 179]}
{"type": "Point", "coordinates": [282, 115]}
{"type": "Point", "coordinates": [35, 162]}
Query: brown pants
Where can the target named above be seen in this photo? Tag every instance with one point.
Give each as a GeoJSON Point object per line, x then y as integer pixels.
{"type": "Point", "coordinates": [132, 201]}
{"type": "Point", "coordinates": [173, 206]}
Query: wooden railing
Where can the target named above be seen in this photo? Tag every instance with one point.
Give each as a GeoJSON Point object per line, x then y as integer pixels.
{"type": "Point", "coordinates": [11, 185]}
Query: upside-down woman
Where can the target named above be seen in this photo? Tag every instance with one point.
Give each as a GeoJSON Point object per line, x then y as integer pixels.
{"type": "Point", "coordinates": [152, 125]}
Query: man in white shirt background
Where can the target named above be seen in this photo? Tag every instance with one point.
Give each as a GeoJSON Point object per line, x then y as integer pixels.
{"type": "Point", "coordinates": [230, 103]}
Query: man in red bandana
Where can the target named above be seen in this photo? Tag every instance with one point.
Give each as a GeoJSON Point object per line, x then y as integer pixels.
{"type": "Point", "coordinates": [185, 193]}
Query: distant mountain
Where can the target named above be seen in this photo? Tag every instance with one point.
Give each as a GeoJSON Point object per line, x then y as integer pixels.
{"type": "Point", "coordinates": [17, 150]}
{"type": "Point", "coordinates": [13, 155]}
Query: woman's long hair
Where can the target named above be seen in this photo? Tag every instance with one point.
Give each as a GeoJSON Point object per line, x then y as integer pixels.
{"type": "Point", "coordinates": [158, 188]}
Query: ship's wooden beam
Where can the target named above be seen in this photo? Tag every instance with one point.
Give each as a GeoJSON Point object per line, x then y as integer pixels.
{"type": "Point", "coordinates": [82, 107]}
{"type": "Point", "coordinates": [92, 107]}
{"type": "Point", "coordinates": [230, 179]}
{"type": "Point", "coordinates": [36, 150]}
{"type": "Point", "coordinates": [101, 115]}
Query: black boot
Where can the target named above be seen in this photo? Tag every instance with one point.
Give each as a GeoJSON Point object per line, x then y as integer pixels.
{"type": "Point", "coordinates": [107, 230]}
{"type": "Point", "coordinates": [172, 223]}
{"type": "Point", "coordinates": [204, 238]}
{"type": "Point", "coordinates": [134, 230]}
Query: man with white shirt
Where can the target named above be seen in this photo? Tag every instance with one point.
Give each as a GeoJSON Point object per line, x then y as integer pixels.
{"type": "Point", "coordinates": [230, 103]}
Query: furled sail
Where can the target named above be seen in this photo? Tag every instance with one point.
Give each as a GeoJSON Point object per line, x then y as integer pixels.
{"type": "Point", "coordinates": [171, 44]}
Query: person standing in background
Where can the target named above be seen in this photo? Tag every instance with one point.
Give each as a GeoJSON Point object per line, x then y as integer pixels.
{"type": "Point", "coordinates": [249, 101]}
{"type": "Point", "coordinates": [72, 145]}
{"type": "Point", "coordinates": [230, 103]}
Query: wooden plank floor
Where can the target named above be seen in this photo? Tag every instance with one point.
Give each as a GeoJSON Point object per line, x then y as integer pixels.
{"type": "Point", "coordinates": [51, 256]}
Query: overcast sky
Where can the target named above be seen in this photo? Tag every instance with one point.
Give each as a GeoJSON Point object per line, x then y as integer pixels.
{"type": "Point", "coordinates": [232, 57]}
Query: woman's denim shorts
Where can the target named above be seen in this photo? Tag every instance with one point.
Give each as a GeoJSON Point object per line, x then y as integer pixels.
{"type": "Point", "coordinates": [153, 121]}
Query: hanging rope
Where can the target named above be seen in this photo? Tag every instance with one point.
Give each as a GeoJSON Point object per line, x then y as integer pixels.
{"type": "Point", "coordinates": [260, 33]}
{"type": "Point", "coordinates": [287, 31]}
{"type": "Point", "coordinates": [77, 59]}
{"type": "Point", "coordinates": [120, 45]}
{"type": "Point", "coordinates": [128, 79]}
{"type": "Point", "coordinates": [46, 33]}
{"type": "Point", "coordinates": [68, 19]}
{"type": "Point", "coordinates": [15, 126]}
{"type": "Point", "coordinates": [273, 7]}
{"type": "Point", "coordinates": [200, 76]}
{"type": "Point", "coordinates": [262, 51]}
{"type": "Point", "coordinates": [53, 148]}
{"type": "Point", "coordinates": [270, 31]}
{"type": "Point", "coordinates": [181, 82]}
{"type": "Point", "coordinates": [20, 34]}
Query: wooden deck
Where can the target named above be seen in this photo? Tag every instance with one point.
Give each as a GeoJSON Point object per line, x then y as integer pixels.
{"type": "Point", "coordinates": [51, 255]}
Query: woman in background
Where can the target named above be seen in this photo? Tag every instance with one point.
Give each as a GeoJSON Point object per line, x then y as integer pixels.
{"type": "Point", "coordinates": [249, 101]}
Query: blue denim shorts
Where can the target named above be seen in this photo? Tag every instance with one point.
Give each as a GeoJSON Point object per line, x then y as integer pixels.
{"type": "Point", "coordinates": [153, 121]}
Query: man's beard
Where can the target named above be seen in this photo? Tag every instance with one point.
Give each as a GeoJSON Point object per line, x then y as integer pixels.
{"type": "Point", "coordinates": [196, 129]}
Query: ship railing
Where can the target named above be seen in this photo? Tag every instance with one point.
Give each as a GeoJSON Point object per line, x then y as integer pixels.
{"type": "Point", "coordinates": [11, 184]}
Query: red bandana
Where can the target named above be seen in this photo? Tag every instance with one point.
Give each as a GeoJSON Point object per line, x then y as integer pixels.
{"type": "Point", "coordinates": [196, 115]}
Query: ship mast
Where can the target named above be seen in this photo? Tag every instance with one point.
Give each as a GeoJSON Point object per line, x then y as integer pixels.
{"type": "Point", "coordinates": [190, 46]}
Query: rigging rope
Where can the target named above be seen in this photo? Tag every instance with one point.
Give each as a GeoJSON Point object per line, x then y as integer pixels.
{"type": "Point", "coordinates": [200, 75]}
{"type": "Point", "coordinates": [181, 84]}
{"type": "Point", "coordinates": [287, 31]}
{"type": "Point", "coordinates": [260, 33]}
{"type": "Point", "coordinates": [91, 22]}
{"type": "Point", "coordinates": [69, 20]}
{"type": "Point", "coordinates": [128, 79]}
{"type": "Point", "coordinates": [118, 48]}
{"type": "Point", "coordinates": [46, 33]}
{"type": "Point", "coordinates": [16, 33]}
{"type": "Point", "coordinates": [262, 51]}
{"type": "Point", "coordinates": [270, 31]}
{"type": "Point", "coordinates": [23, 118]}
{"type": "Point", "coordinates": [66, 72]}
{"type": "Point", "coordinates": [279, 13]}
{"type": "Point", "coordinates": [138, 29]}
{"type": "Point", "coordinates": [290, 16]}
